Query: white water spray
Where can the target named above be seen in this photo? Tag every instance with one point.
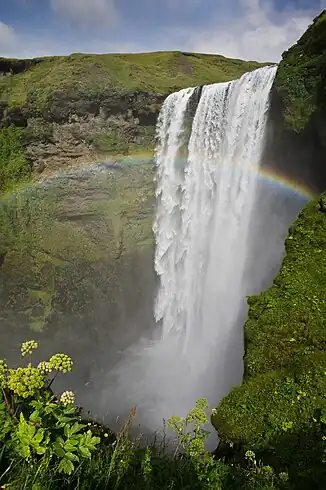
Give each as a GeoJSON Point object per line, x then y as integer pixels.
{"type": "Point", "coordinates": [203, 215]}
{"type": "Point", "coordinates": [204, 205]}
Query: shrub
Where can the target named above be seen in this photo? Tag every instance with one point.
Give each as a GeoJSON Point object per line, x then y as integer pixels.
{"type": "Point", "coordinates": [13, 164]}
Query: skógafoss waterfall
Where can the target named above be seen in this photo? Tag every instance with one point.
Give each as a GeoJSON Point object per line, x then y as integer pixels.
{"type": "Point", "coordinates": [205, 190]}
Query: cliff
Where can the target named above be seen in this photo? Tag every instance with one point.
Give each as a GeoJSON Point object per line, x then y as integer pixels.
{"type": "Point", "coordinates": [81, 105]}
{"type": "Point", "coordinates": [297, 128]}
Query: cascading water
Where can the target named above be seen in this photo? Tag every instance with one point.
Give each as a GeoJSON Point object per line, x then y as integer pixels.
{"type": "Point", "coordinates": [204, 206]}
{"type": "Point", "coordinates": [204, 210]}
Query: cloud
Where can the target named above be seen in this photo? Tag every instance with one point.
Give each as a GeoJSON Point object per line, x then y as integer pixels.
{"type": "Point", "coordinates": [32, 47]}
{"type": "Point", "coordinates": [8, 39]}
{"type": "Point", "coordinates": [260, 33]}
{"type": "Point", "coordinates": [245, 29]}
{"type": "Point", "coordinates": [87, 12]}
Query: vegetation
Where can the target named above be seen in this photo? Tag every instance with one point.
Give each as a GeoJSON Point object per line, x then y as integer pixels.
{"type": "Point", "coordinates": [283, 393]}
{"type": "Point", "coordinates": [93, 75]}
{"type": "Point", "coordinates": [13, 164]}
{"type": "Point", "coordinates": [273, 426]}
{"type": "Point", "coordinates": [46, 444]}
{"type": "Point", "coordinates": [301, 78]}
{"type": "Point", "coordinates": [38, 96]}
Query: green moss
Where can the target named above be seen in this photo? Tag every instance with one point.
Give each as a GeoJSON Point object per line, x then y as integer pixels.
{"type": "Point", "coordinates": [285, 338]}
{"type": "Point", "coordinates": [301, 76]}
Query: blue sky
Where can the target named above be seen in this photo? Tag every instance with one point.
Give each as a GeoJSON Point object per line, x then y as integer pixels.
{"type": "Point", "coordinates": [248, 29]}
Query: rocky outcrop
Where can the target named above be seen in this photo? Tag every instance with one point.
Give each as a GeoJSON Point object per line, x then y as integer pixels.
{"type": "Point", "coordinates": [71, 128]}
{"type": "Point", "coordinates": [15, 66]}
{"type": "Point", "coordinates": [296, 141]}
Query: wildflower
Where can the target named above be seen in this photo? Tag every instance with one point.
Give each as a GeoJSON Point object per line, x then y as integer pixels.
{"type": "Point", "coordinates": [25, 381]}
{"type": "Point", "coordinates": [27, 347]}
{"type": "Point", "coordinates": [283, 476]}
{"type": "Point", "coordinates": [3, 373]}
{"type": "Point", "coordinates": [250, 454]}
{"type": "Point", "coordinates": [61, 363]}
{"type": "Point", "coordinates": [67, 398]}
{"type": "Point", "coordinates": [44, 367]}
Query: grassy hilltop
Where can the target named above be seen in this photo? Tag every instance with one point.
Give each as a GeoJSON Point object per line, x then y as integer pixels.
{"type": "Point", "coordinates": [93, 75]}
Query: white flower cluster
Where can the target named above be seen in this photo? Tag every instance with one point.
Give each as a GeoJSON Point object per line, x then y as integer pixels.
{"type": "Point", "coordinates": [67, 398]}
{"type": "Point", "coordinates": [44, 367]}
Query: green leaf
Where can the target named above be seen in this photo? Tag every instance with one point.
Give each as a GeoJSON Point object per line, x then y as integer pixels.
{"type": "Point", "coordinates": [31, 431]}
{"type": "Point", "coordinates": [39, 436]}
{"type": "Point", "coordinates": [67, 431]}
{"type": "Point", "coordinates": [73, 442]}
{"type": "Point", "coordinates": [60, 440]}
{"type": "Point", "coordinates": [76, 428]}
{"type": "Point", "coordinates": [66, 466]}
{"type": "Point", "coordinates": [34, 416]}
{"type": "Point", "coordinates": [72, 457]}
{"type": "Point", "coordinates": [69, 447]}
{"type": "Point", "coordinates": [58, 450]}
{"type": "Point", "coordinates": [85, 452]}
{"type": "Point", "coordinates": [40, 449]}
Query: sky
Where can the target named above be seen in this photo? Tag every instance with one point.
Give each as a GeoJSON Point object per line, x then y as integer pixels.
{"type": "Point", "coordinates": [248, 29]}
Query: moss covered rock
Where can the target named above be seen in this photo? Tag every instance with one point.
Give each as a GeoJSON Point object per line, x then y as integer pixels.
{"type": "Point", "coordinates": [296, 136]}
{"type": "Point", "coordinates": [301, 77]}
{"type": "Point", "coordinates": [71, 242]}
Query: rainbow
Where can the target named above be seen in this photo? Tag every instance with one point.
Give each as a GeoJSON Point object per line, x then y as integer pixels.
{"type": "Point", "coordinates": [281, 180]}
{"type": "Point", "coordinates": [274, 177]}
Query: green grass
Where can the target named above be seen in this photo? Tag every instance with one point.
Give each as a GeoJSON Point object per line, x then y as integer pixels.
{"type": "Point", "coordinates": [93, 75]}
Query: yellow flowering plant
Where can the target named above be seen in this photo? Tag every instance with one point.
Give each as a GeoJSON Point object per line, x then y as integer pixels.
{"type": "Point", "coordinates": [36, 423]}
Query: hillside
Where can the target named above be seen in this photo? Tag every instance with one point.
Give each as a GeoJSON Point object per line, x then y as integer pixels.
{"type": "Point", "coordinates": [74, 107]}
{"type": "Point", "coordinates": [34, 82]}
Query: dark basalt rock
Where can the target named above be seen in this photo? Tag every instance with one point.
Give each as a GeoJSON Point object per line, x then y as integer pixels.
{"type": "Point", "coordinates": [13, 66]}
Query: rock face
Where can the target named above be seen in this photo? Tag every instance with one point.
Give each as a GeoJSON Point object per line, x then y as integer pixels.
{"type": "Point", "coordinates": [76, 265]}
{"type": "Point", "coordinates": [80, 106]}
{"type": "Point", "coordinates": [72, 128]}
{"type": "Point", "coordinates": [297, 127]}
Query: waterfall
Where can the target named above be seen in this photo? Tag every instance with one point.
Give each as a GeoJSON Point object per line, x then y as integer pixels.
{"type": "Point", "coordinates": [205, 189]}
{"type": "Point", "coordinates": [203, 212]}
